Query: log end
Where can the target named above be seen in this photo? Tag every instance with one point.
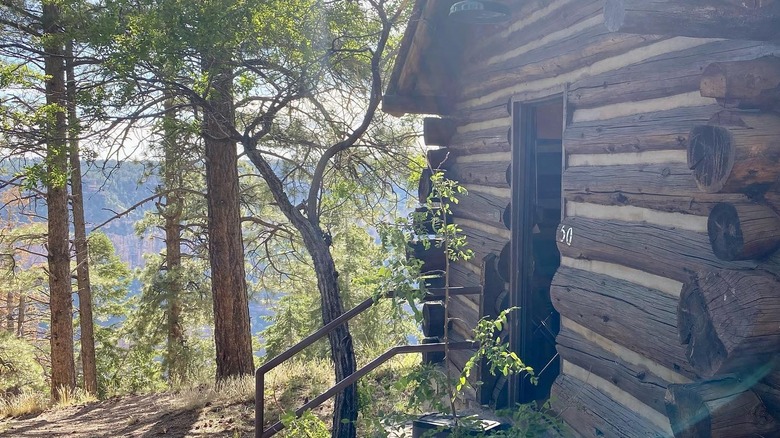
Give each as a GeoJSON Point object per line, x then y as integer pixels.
{"type": "Point", "coordinates": [433, 318]}
{"type": "Point", "coordinates": [713, 81]}
{"type": "Point", "coordinates": [687, 412]}
{"type": "Point", "coordinates": [504, 262]}
{"type": "Point", "coordinates": [725, 232]}
{"type": "Point", "coordinates": [424, 187]}
{"type": "Point", "coordinates": [743, 231]}
{"type": "Point", "coordinates": [614, 15]}
{"type": "Point", "coordinates": [711, 155]}
{"type": "Point", "coordinates": [724, 406]}
{"type": "Point", "coordinates": [705, 351]}
{"type": "Point", "coordinates": [432, 254]}
{"type": "Point", "coordinates": [437, 131]}
{"type": "Point", "coordinates": [750, 84]}
{"type": "Point", "coordinates": [432, 357]}
{"type": "Point", "coordinates": [506, 216]}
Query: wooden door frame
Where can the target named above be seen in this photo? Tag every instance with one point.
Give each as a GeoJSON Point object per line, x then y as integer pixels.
{"type": "Point", "coordinates": [522, 146]}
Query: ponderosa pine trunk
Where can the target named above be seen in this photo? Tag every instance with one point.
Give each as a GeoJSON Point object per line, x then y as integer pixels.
{"type": "Point", "coordinates": [226, 248]}
{"type": "Point", "coordinates": [9, 311]}
{"type": "Point", "coordinates": [86, 322]}
{"type": "Point", "coordinates": [21, 315]}
{"type": "Point", "coordinates": [172, 213]}
{"type": "Point", "coordinates": [63, 372]}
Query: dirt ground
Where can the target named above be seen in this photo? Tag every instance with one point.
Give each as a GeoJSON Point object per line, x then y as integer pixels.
{"type": "Point", "coordinates": [152, 415]}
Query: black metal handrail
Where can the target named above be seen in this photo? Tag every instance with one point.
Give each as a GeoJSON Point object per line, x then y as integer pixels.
{"type": "Point", "coordinates": [431, 293]}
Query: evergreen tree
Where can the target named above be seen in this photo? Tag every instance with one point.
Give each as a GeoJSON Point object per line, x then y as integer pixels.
{"type": "Point", "coordinates": [277, 65]}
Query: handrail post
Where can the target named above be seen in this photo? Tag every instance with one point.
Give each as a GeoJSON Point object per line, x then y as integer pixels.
{"type": "Point", "coordinates": [259, 402]}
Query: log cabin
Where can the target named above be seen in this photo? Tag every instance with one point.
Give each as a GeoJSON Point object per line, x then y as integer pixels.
{"type": "Point", "coordinates": [622, 160]}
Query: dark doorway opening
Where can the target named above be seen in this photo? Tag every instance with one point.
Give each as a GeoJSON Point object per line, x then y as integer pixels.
{"type": "Point", "coordinates": [537, 151]}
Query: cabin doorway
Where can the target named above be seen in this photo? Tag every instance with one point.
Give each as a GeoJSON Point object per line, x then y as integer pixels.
{"type": "Point", "coordinates": [537, 151]}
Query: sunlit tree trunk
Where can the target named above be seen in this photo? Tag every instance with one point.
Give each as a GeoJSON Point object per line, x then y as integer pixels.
{"type": "Point", "coordinates": [172, 212]}
{"type": "Point", "coordinates": [86, 322]}
{"type": "Point", "coordinates": [9, 311]}
{"type": "Point", "coordinates": [226, 248]}
{"type": "Point", "coordinates": [21, 315]}
{"type": "Point", "coordinates": [63, 373]}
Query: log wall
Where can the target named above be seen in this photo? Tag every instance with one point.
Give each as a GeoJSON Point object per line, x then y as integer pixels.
{"type": "Point", "coordinates": [638, 218]}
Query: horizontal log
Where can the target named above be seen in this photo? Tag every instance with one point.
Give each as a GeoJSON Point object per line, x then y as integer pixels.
{"type": "Point", "coordinates": [464, 315]}
{"type": "Point", "coordinates": [743, 231]}
{"type": "Point", "coordinates": [741, 157]}
{"type": "Point", "coordinates": [399, 105]}
{"type": "Point", "coordinates": [659, 250]}
{"type": "Point", "coordinates": [667, 285]}
{"type": "Point", "coordinates": [484, 117]}
{"type": "Point", "coordinates": [659, 130]}
{"type": "Point", "coordinates": [593, 413]}
{"type": "Point", "coordinates": [582, 46]}
{"type": "Point", "coordinates": [482, 207]}
{"type": "Point", "coordinates": [438, 132]}
{"type": "Point", "coordinates": [724, 407]}
{"type": "Point", "coordinates": [486, 173]}
{"type": "Point", "coordinates": [671, 73]}
{"type": "Point", "coordinates": [540, 20]}
{"type": "Point", "coordinates": [732, 19]}
{"type": "Point", "coordinates": [751, 83]}
{"type": "Point", "coordinates": [463, 274]}
{"type": "Point", "coordinates": [627, 355]}
{"type": "Point", "coordinates": [667, 187]}
{"type": "Point", "coordinates": [482, 242]}
{"type": "Point", "coordinates": [488, 140]}
{"type": "Point", "coordinates": [629, 213]}
{"type": "Point", "coordinates": [497, 109]}
{"type": "Point", "coordinates": [623, 312]}
{"type": "Point", "coordinates": [636, 380]}
{"type": "Point", "coordinates": [729, 320]}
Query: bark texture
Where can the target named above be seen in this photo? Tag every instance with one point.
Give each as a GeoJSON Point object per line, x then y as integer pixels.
{"type": "Point", "coordinates": [63, 372]}
{"type": "Point", "coordinates": [172, 213]}
{"type": "Point", "coordinates": [226, 248]}
{"type": "Point", "coordinates": [86, 323]}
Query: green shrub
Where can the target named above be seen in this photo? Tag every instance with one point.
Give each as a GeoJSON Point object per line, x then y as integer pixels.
{"type": "Point", "coordinates": [19, 368]}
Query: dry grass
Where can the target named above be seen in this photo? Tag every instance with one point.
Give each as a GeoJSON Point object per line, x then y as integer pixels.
{"type": "Point", "coordinates": [35, 402]}
{"type": "Point", "coordinates": [224, 410]}
{"type": "Point", "coordinates": [73, 397]}
{"type": "Point", "coordinates": [237, 390]}
{"type": "Point", "coordinates": [293, 383]}
{"type": "Point", "coordinates": [26, 403]}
